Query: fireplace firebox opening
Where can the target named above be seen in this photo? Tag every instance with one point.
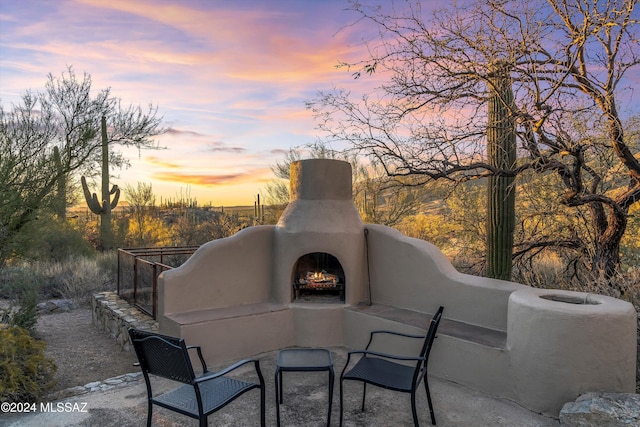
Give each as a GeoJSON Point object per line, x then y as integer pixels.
{"type": "Point", "coordinates": [318, 277]}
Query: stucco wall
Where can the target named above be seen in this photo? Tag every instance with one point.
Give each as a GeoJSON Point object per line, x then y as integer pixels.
{"type": "Point", "coordinates": [414, 274]}
{"type": "Point", "coordinates": [222, 273]}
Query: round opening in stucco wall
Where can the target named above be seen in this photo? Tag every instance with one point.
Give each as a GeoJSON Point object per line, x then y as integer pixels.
{"type": "Point", "coordinates": [570, 299]}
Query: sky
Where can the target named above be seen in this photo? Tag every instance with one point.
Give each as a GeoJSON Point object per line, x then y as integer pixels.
{"type": "Point", "coordinates": [230, 78]}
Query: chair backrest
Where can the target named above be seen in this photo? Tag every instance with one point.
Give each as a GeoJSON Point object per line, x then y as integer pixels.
{"type": "Point", "coordinates": [431, 335]}
{"type": "Point", "coordinates": [162, 355]}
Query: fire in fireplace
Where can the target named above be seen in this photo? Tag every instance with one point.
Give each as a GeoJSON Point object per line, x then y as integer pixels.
{"type": "Point", "coordinates": [318, 276]}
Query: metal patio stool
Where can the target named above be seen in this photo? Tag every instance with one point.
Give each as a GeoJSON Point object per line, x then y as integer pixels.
{"type": "Point", "coordinates": [199, 396]}
{"type": "Point", "coordinates": [303, 360]}
{"type": "Point", "coordinates": [384, 370]}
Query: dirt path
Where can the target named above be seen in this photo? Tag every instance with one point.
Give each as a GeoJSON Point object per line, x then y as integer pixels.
{"type": "Point", "coordinates": [82, 353]}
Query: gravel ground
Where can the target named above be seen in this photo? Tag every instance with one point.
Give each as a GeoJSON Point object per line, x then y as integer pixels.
{"type": "Point", "coordinates": [82, 353]}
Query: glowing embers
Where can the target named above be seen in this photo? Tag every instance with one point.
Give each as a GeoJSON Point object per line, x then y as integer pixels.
{"type": "Point", "coordinates": [318, 277]}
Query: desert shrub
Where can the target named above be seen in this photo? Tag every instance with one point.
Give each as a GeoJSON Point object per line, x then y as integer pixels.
{"type": "Point", "coordinates": [79, 278]}
{"type": "Point", "coordinates": [196, 227]}
{"type": "Point", "coordinates": [551, 271]}
{"type": "Point", "coordinates": [15, 279]}
{"type": "Point", "coordinates": [434, 228]}
{"type": "Point", "coordinates": [75, 278]}
{"type": "Point", "coordinates": [50, 239]}
{"type": "Point", "coordinates": [630, 244]}
{"type": "Point", "coordinates": [26, 375]}
{"type": "Point", "coordinates": [26, 315]}
{"type": "Point", "coordinates": [107, 262]}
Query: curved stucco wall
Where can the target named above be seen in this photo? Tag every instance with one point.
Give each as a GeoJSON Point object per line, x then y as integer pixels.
{"type": "Point", "coordinates": [222, 273]}
{"type": "Point", "coordinates": [555, 350]}
{"type": "Point", "coordinates": [560, 349]}
{"type": "Point", "coordinates": [414, 274]}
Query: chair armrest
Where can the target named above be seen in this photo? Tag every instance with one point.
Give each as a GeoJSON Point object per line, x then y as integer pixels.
{"type": "Point", "coordinates": [233, 367]}
{"type": "Point", "coordinates": [399, 334]}
{"type": "Point", "coordinates": [199, 350]}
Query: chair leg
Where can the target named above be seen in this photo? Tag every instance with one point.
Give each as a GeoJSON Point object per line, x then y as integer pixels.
{"type": "Point", "coordinates": [426, 387]}
{"type": "Point", "coordinates": [414, 411]}
{"type": "Point", "coordinates": [341, 402]}
{"type": "Point", "coordinates": [263, 398]}
{"type": "Point", "coordinates": [278, 386]}
{"type": "Point", "coordinates": [331, 379]}
{"type": "Point", "coordinates": [149, 413]}
{"type": "Point", "coordinates": [364, 394]}
{"type": "Point", "coordinates": [204, 422]}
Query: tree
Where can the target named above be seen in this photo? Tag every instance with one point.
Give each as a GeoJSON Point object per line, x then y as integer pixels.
{"type": "Point", "coordinates": [568, 60]}
{"type": "Point", "coordinates": [27, 174]}
{"type": "Point", "coordinates": [51, 137]}
{"type": "Point", "coordinates": [380, 199]}
{"type": "Point", "coordinates": [142, 201]}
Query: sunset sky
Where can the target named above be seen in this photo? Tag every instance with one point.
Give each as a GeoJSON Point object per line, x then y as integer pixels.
{"type": "Point", "coordinates": [229, 77]}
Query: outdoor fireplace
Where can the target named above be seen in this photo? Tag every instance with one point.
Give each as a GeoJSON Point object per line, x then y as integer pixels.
{"type": "Point", "coordinates": [498, 337]}
{"type": "Point", "coordinates": [318, 276]}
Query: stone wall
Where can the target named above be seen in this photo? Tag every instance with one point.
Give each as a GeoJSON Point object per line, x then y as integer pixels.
{"type": "Point", "coordinates": [114, 315]}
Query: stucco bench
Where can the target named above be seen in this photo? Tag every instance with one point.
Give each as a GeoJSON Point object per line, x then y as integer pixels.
{"type": "Point", "coordinates": [229, 333]}
{"type": "Point", "coordinates": [464, 331]}
{"type": "Point", "coordinates": [214, 314]}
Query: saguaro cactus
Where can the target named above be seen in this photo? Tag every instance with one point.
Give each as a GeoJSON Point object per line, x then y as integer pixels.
{"type": "Point", "coordinates": [501, 153]}
{"type": "Point", "coordinates": [105, 207]}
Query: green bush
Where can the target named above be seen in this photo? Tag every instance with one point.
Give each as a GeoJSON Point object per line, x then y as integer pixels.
{"type": "Point", "coordinates": [26, 375]}
{"type": "Point", "coordinates": [26, 316]}
{"type": "Point", "coordinates": [57, 240]}
{"type": "Point", "coordinates": [14, 280]}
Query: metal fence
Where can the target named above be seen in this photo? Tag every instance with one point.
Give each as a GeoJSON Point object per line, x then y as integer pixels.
{"type": "Point", "coordinates": [138, 271]}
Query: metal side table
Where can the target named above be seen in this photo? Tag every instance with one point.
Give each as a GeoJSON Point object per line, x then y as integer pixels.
{"type": "Point", "coordinates": [303, 360]}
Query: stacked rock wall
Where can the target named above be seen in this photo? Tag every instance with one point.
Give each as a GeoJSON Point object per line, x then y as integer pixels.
{"type": "Point", "coordinates": [114, 315]}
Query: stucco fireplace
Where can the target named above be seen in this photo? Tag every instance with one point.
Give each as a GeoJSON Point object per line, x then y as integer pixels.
{"type": "Point", "coordinates": [242, 295]}
{"type": "Point", "coordinates": [319, 230]}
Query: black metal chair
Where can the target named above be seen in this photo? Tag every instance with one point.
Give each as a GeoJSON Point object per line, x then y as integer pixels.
{"type": "Point", "coordinates": [393, 372]}
{"type": "Point", "coordinates": [200, 396]}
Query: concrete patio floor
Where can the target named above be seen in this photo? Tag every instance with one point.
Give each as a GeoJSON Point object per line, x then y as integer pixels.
{"type": "Point", "coordinates": [305, 404]}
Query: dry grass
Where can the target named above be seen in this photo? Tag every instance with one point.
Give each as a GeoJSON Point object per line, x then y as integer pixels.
{"type": "Point", "coordinates": [84, 277]}
{"type": "Point", "coordinates": [77, 278]}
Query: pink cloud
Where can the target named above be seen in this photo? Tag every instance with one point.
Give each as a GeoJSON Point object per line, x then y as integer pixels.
{"type": "Point", "coordinates": [268, 47]}
{"type": "Point", "coordinates": [214, 179]}
{"type": "Point", "coordinates": [230, 78]}
{"type": "Point", "coordinates": [157, 162]}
